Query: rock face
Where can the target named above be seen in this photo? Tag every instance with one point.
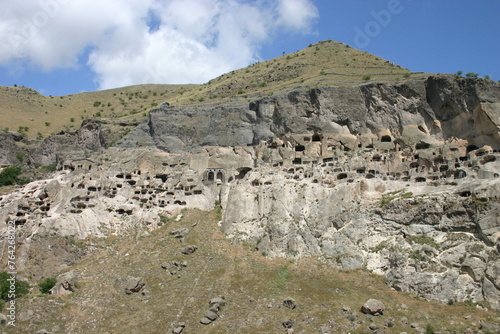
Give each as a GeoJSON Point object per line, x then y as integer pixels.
{"type": "Point", "coordinates": [65, 284]}
{"type": "Point", "coordinates": [426, 111]}
{"type": "Point", "coordinates": [373, 307]}
{"type": "Point", "coordinates": [402, 180]}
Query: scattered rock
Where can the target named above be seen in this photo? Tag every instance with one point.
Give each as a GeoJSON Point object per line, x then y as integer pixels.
{"type": "Point", "coordinates": [26, 315]}
{"type": "Point", "coordinates": [211, 315]}
{"type": "Point", "coordinates": [205, 321]}
{"type": "Point", "coordinates": [65, 284]}
{"type": "Point", "coordinates": [346, 309]}
{"type": "Point", "coordinates": [190, 249]}
{"type": "Point", "coordinates": [3, 319]}
{"type": "Point", "coordinates": [42, 331]}
{"type": "Point", "coordinates": [288, 323]}
{"type": "Point", "coordinates": [134, 285]}
{"type": "Point", "coordinates": [218, 300]}
{"type": "Point", "coordinates": [179, 328]}
{"type": "Point", "coordinates": [180, 232]}
{"type": "Point", "coordinates": [414, 325]}
{"type": "Point", "coordinates": [352, 317]}
{"type": "Point", "coordinates": [174, 266]}
{"type": "Point", "coordinates": [489, 327]}
{"type": "Point", "coordinates": [373, 307]}
{"type": "Point", "coordinates": [325, 330]}
{"type": "Point", "coordinates": [290, 303]}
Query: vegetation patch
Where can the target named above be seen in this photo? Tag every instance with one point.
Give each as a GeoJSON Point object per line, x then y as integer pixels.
{"type": "Point", "coordinates": [47, 284]}
{"type": "Point", "coordinates": [423, 240]}
{"type": "Point", "coordinates": [399, 194]}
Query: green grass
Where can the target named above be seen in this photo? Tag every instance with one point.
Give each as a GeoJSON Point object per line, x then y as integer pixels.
{"type": "Point", "coordinates": [280, 280]}
{"type": "Point", "coordinates": [423, 240]}
{"type": "Point", "coordinates": [399, 194]}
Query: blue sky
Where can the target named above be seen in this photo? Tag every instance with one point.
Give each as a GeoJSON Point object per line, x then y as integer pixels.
{"type": "Point", "coordinates": [62, 47]}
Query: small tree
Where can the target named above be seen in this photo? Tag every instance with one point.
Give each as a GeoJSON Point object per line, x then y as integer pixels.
{"type": "Point", "coordinates": [21, 288]}
{"type": "Point", "coordinates": [10, 175]}
{"type": "Point", "coordinates": [471, 75]}
{"type": "Point", "coordinates": [47, 284]}
{"type": "Point", "coordinates": [459, 73]}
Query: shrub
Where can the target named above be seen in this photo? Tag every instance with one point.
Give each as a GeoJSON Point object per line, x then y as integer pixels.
{"type": "Point", "coordinates": [97, 103]}
{"type": "Point", "coordinates": [47, 123]}
{"type": "Point", "coordinates": [10, 175]}
{"type": "Point", "coordinates": [366, 77]}
{"type": "Point", "coordinates": [471, 75]}
{"type": "Point", "coordinates": [21, 288]}
{"type": "Point", "coordinates": [429, 329]}
{"type": "Point", "coordinates": [407, 75]}
{"type": "Point", "coordinates": [47, 284]}
{"type": "Point", "coordinates": [459, 73]}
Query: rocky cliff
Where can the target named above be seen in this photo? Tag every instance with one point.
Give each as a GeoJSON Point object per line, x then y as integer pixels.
{"type": "Point", "coordinates": [430, 110]}
{"type": "Point", "coordinates": [402, 180]}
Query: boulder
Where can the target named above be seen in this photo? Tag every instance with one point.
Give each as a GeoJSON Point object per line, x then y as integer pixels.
{"type": "Point", "coordinates": [134, 285]}
{"type": "Point", "coordinates": [373, 307]}
{"type": "Point", "coordinates": [179, 328]}
{"type": "Point", "coordinates": [211, 315]}
{"type": "Point", "coordinates": [287, 323]}
{"type": "Point", "coordinates": [205, 321]}
{"type": "Point", "coordinates": [290, 303]}
{"type": "Point", "coordinates": [180, 232]}
{"type": "Point", "coordinates": [190, 249]}
{"type": "Point", "coordinates": [65, 284]}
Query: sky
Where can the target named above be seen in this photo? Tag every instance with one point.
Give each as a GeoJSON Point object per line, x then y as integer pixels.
{"type": "Point", "coordinates": [61, 47]}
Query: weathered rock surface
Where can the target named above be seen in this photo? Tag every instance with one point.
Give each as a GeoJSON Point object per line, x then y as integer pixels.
{"type": "Point", "coordinates": [417, 111]}
{"type": "Point", "coordinates": [373, 307]}
{"type": "Point", "coordinates": [134, 284]}
{"type": "Point", "coordinates": [65, 284]}
{"type": "Point", "coordinates": [402, 180]}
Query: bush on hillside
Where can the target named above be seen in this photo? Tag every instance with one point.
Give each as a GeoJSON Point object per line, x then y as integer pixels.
{"type": "Point", "coordinates": [10, 175]}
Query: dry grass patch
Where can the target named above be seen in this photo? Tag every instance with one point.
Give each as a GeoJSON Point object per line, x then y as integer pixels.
{"type": "Point", "coordinates": [254, 288]}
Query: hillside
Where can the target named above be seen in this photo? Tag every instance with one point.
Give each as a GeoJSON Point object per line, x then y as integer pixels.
{"type": "Point", "coordinates": [254, 289]}
{"type": "Point", "coordinates": [275, 198]}
{"type": "Point", "coordinates": [324, 63]}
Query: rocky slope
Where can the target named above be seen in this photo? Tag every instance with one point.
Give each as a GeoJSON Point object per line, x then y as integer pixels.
{"type": "Point", "coordinates": [402, 180]}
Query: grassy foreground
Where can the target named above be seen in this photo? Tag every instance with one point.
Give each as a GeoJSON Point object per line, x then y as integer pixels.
{"type": "Point", "coordinates": [254, 289]}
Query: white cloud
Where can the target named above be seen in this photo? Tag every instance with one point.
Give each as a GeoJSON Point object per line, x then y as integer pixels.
{"type": "Point", "coordinates": [297, 14]}
{"type": "Point", "coordinates": [192, 41]}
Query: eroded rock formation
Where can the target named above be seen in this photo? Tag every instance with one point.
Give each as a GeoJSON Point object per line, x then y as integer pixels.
{"type": "Point", "coordinates": [402, 180]}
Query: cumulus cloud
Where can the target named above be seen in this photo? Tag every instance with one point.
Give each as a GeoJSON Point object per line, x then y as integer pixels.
{"type": "Point", "coordinates": [128, 42]}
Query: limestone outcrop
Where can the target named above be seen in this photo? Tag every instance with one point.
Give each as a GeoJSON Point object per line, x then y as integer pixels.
{"type": "Point", "coordinates": [422, 112]}
{"type": "Point", "coordinates": [402, 180]}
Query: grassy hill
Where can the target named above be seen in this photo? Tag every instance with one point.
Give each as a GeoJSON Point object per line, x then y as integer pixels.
{"type": "Point", "coordinates": [254, 289]}
{"type": "Point", "coordinates": [325, 63]}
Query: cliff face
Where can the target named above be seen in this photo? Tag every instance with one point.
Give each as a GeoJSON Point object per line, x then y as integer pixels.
{"type": "Point", "coordinates": [402, 180]}
{"type": "Point", "coordinates": [430, 110]}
